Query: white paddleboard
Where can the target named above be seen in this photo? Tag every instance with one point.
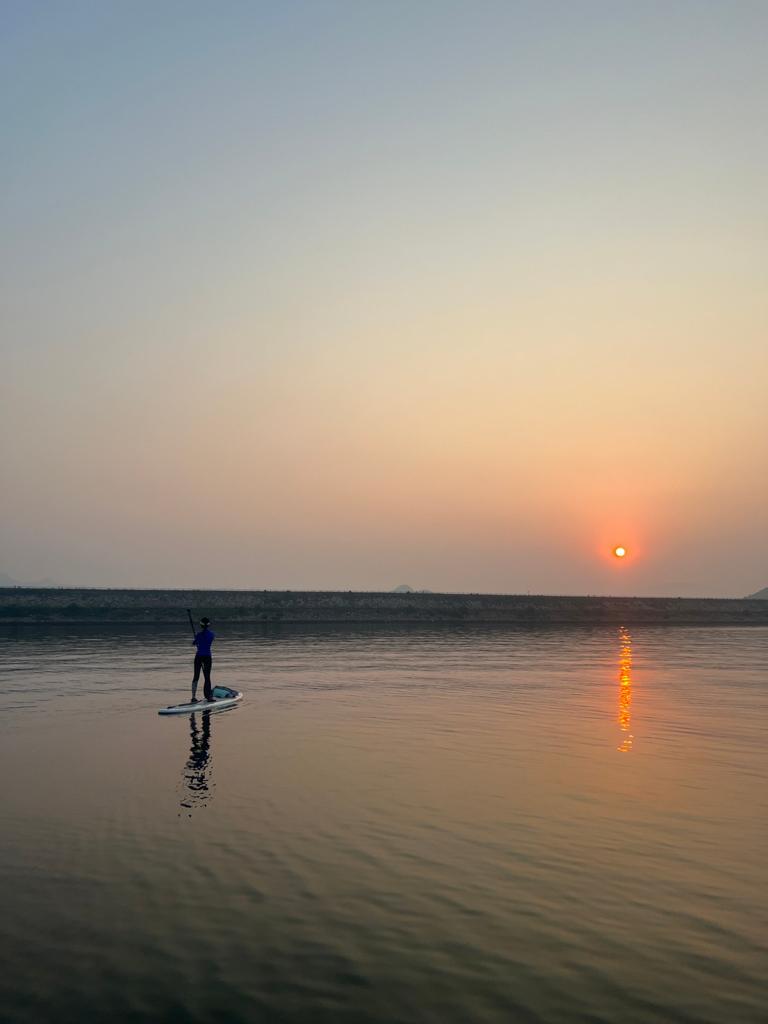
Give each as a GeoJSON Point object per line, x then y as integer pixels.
{"type": "Point", "coordinates": [225, 698]}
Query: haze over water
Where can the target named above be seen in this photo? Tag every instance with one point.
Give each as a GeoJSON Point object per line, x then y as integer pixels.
{"type": "Point", "coordinates": [332, 294]}
{"type": "Point", "coordinates": [350, 294]}
{"type": "Point", "coordinates": [394, 826]}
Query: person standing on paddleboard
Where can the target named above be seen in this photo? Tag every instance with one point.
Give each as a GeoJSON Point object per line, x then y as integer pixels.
{"type": "Point", "coordinates": [203, 659]}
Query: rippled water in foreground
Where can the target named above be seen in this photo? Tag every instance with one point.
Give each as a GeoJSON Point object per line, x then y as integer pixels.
{"type": "Point", "coordinates": [449, 826]}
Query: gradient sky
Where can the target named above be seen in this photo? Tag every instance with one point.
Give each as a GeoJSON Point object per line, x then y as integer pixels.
{"type": "Point", "coordinates": [347, 295]}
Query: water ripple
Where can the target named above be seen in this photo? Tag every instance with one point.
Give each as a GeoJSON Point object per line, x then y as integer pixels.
{"type": "Point", "coordinates": [449, 826]}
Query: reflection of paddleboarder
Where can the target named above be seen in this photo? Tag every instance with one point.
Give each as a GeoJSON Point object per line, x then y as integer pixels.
{"type": "Point", "coordinates": [198, 764]}
{"type": "Point", "coordinates": [203, 658]}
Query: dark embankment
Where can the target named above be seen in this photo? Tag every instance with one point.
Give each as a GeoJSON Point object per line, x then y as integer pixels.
{"type": "Point", "coordinates": [238, 606]}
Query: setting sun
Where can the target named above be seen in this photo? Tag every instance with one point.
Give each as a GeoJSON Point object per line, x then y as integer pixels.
{"type": "Point", "coordinates": [620, 552]}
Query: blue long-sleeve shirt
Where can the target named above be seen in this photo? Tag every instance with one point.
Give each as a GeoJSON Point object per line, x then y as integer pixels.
{"type": "Point", "coordinates": [203, 641]}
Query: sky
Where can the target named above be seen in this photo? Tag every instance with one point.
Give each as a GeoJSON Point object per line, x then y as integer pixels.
{"type": "Point", "coordinates": [345, 295]}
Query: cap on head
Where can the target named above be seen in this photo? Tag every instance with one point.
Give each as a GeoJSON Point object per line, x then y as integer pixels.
{"type": "Point", "coordinates": [204, 621]}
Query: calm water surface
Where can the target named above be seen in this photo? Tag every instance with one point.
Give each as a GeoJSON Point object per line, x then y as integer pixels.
{"type": "Point", "coordinates": [476, 826]}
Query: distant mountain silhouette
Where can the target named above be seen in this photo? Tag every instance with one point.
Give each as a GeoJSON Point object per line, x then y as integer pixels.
{"type": "Point", "coordinates": [762, 594]}
{"type": "Point", "coordinates": [404, 588]}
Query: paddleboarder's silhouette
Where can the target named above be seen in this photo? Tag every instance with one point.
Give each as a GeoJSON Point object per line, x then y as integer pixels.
{"type": "Point", "coordinates": [203, 660]}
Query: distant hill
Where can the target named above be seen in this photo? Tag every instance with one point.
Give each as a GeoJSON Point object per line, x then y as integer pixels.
{"type": "Point", "coordinates": [761, 594]}
{"type": "Point", "coordinates": [404, 588]}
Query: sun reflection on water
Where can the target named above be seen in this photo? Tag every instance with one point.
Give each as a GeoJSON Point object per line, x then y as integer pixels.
{"type": "Point", "coordinates": [625, 690]}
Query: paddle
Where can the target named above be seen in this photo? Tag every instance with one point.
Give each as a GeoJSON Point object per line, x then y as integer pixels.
{"type": "Point", "coordinates": [194, 634]}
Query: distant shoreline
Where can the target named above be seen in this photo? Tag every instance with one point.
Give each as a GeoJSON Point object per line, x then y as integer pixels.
{"type": "Point", "coordinates": [257, 607]}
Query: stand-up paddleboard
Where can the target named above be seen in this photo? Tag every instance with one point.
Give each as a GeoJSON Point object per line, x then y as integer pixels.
{"type": "Point", "coordinates": [225, 697]}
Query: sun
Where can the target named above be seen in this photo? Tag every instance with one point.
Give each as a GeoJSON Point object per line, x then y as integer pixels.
{"type": "Point", "coordinates": [620, 552]}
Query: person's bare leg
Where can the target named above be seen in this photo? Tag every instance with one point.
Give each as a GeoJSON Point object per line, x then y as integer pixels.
{"type": "Point", "coordinates": [207, 689]}
{"type": "Point", "coordinates": [195, 680]}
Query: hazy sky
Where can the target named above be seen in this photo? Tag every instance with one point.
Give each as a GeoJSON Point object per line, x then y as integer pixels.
{"type": "Point", "coordinates": [352, 294]}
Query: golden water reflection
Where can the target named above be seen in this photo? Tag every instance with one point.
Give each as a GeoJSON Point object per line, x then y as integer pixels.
{"type": "Point", "coordinates": [625, 690]}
